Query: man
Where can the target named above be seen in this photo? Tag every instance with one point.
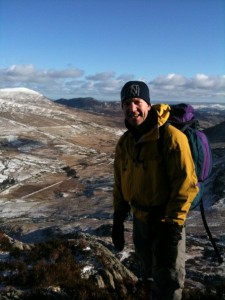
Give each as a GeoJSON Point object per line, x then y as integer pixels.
{"type": "Point", "coordinates": [155, 179]}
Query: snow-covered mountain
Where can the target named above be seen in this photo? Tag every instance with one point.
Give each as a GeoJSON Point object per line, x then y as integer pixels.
{"type": "Point", "coordinates": [56, 177]}
{"type": "Point", "coordinates": [17, 92]}
{"type": "Point", "coordinates": [21, 95]}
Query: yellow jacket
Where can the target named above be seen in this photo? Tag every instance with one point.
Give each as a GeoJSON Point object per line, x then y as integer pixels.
{"type": "Point", "coordinates": [149, 177]}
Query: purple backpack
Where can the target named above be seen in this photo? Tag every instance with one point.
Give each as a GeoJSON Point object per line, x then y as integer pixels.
{"type": "Point", "coordinates": [182, 116]}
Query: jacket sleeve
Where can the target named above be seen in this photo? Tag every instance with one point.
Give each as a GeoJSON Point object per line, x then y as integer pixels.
{"type": "Point", "coordinates": [181, 175]}
{"type": "Point", "coordinates": [119, 202]}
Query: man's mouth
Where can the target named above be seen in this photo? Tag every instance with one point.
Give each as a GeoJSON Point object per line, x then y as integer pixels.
{"type": "Point", "coordinates": [133, 116]}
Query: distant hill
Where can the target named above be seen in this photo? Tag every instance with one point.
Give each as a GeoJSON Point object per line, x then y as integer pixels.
{"type": "Point", "coordinates": [81, 102]}
{"type": "Point", "coordinates": [93, 105]}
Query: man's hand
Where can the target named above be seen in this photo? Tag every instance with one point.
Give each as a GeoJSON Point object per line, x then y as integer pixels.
{"type": "Point", "coordinates": [172, 233]}
{"type": "Point", "coordinates": [118, 230]}
{"type": "Point", "coordinates": [167, 249]}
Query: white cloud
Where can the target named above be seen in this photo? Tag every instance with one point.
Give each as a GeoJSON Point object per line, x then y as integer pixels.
{"type": "Point", "coordinates": [29, 74]}
{"type": "Point", "coordinates": [101, 76]}
{"type": "Point", "coordinates": [199, 88]}
{"type": "Point", "coordinates": [73, 82]}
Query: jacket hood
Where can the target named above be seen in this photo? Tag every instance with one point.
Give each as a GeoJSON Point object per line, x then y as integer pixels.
{"type": "Point", "coordinates": [163, 112]}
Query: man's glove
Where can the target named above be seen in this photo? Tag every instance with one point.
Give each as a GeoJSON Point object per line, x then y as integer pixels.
{"type": "Point", "coordinates": [118, 230]}
{"type": "Point", "coordinates": [172, 233]}
{"type": "Point", "coordinates": [167, 250]}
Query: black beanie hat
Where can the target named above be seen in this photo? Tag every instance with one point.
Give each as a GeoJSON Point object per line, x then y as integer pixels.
{"type": "Point", "coordinates": [135, 89]}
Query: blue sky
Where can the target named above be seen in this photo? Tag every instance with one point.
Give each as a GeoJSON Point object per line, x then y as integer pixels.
{"type": "Point", "coordinates": [90, 48]}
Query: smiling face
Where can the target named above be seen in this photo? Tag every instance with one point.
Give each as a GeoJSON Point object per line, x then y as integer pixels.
{"type": "Point", "coordinates": [135, 111]}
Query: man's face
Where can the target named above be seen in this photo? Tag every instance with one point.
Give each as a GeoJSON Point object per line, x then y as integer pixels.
{"type": "Point", "coordinates": [135, 111]}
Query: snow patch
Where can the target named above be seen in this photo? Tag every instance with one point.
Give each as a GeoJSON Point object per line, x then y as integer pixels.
{"type": "Point", "coordinates": [10, 91]}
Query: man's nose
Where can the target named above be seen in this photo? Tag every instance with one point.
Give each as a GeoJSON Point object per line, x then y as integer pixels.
{"type": "Point", "coordinates": [132, 106]}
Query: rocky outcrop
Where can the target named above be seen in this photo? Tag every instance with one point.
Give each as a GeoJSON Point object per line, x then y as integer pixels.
{"type": "Point", "coordinates": [64, 266]}
{"type": "Point", "coordinates": [77, 266]}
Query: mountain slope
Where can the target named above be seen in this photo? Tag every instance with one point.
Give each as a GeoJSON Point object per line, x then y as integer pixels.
{"type": "Point", "coordinates": [216, 134]}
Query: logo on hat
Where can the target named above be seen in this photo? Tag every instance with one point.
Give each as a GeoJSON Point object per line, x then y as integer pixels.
{"type": "Point", "coordinates": [134, 90]}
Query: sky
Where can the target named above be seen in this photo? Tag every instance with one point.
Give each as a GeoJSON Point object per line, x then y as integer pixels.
{"type": "Point", "coordinates": [91, 48]}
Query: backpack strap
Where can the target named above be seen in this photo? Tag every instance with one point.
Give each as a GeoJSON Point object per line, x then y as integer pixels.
{"type": "Point", "coordinates": [220, 259]}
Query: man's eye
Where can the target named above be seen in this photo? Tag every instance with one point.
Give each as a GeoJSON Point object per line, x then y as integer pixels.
{"type": "Point", "coordinates": [137, 102]}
